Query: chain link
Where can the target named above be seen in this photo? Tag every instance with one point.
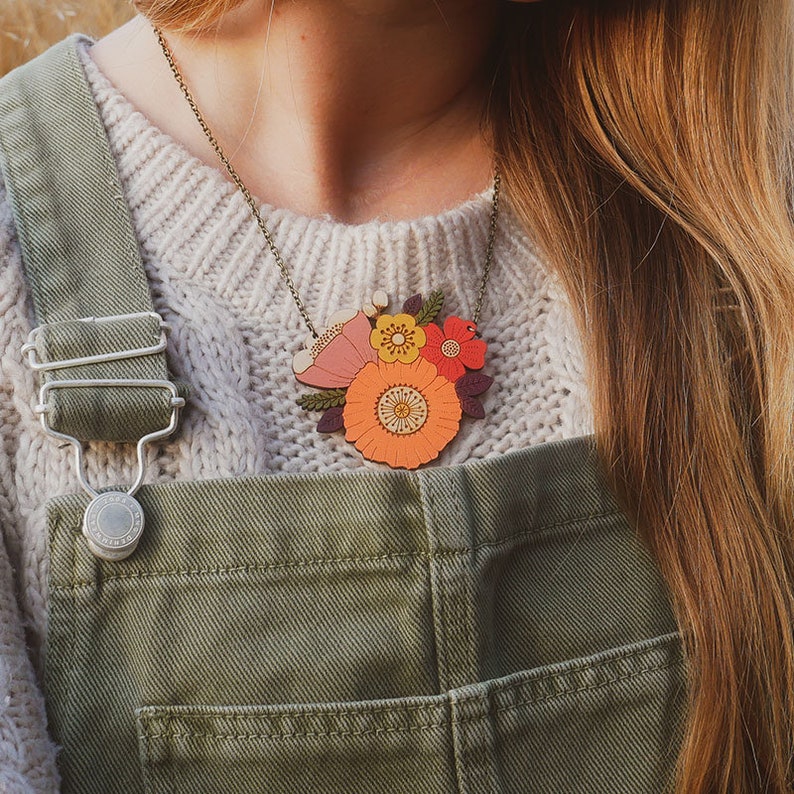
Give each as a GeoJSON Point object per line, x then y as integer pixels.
{"type": "Point", "coordinates": [252, 205]}
{"type": "Point", "coordinates": [489, 246]}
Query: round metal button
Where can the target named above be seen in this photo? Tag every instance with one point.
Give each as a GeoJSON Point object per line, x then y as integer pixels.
{"type": "Point", "coordinates": [113, 525]}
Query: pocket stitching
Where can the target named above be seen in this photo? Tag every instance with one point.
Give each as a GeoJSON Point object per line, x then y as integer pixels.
{"type": "Point", "coordinates": [589, 688]}
{"type": "Point", "coordinates": [586, 666]}
{"type": "Point", "coordinates": [192, 712]}
{"type": "Point", "coordinates": [292, 735]}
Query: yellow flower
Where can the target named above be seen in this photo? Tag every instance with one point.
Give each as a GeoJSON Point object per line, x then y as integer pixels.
{"type": "Point", "coordinates": [397, 338]}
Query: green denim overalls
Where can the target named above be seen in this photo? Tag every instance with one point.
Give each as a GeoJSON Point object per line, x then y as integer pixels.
{"type": "Point", "coordinates": [492, 627]}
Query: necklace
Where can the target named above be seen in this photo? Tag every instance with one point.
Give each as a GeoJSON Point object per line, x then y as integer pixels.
{"type": "Point", "coordinates": [397, 384]}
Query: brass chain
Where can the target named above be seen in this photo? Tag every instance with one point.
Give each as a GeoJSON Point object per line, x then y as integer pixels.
{"type": "Point", "coordinates": [252, 205]}
{"type": "Point", "coordinates": [489, 246]}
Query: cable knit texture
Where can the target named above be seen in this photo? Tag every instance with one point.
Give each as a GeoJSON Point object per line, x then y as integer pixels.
{"type": "Point", "coordinates": [235, 330]}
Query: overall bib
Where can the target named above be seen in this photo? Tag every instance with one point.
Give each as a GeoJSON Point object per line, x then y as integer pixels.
{"type": "Point", "coordinates": [492, 627]}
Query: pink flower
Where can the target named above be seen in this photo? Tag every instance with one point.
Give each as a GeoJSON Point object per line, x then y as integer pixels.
{"type": "Point", "coordinates": [333, 359]}
{"type": "Point", "coordinates": [455, 348]}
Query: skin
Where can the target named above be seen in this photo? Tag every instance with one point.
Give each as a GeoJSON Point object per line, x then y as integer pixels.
{"type": "Point", "coordinates": [358, 109]}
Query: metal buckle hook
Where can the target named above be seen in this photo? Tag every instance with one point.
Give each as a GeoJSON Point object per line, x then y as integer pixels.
{"type": "Point", "coordinates": [42, 408]}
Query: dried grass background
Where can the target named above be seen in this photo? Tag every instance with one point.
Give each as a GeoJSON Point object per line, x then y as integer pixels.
{"type": "Point", "coordinates": [28, 27]}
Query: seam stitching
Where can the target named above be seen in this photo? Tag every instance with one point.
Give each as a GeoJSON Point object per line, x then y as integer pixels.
{"type": "Point", "coordinates": [263, 568]}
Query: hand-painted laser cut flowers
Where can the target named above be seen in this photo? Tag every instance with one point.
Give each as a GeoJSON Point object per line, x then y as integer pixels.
{"type": "Point", "coordinates": [397, 384]}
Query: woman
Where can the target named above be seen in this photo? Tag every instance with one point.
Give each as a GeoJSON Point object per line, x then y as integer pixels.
{"type": "Point", "coordinates": [644, 146]}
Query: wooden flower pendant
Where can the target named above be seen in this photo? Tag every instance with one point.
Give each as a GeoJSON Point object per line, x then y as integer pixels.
{"type": "Point", "coordinates": [397, 384]}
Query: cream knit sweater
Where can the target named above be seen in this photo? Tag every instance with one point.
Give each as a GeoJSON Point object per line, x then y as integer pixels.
{"type": "Point", "coordinates": [235, 330]}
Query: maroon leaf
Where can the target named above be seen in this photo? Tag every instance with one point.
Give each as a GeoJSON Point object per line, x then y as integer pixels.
{"type": "Point", "coordinates": [413, 305]}
{"type": "Point", "coordinates": [473, 407]}
{"type": "Point", "coordinates": [332, 420]}
{"type": "Point", "coordinates": [472, 383]}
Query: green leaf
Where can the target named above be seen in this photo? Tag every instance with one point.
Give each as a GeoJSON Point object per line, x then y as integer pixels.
{"type": "Point", "coordinates": [322, 400]}
{"type": "Point", "coordinates": [430, 308]}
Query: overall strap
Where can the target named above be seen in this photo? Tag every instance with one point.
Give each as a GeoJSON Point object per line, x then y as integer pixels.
{"type": "Point", "coordinates": [99, 347]}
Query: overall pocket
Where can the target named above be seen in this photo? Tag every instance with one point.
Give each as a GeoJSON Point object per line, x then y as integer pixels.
{"type": "Point", "coordinates": [598, 725]}
{"type": "Point", "coordinates": [350, 748]}
{"type": "Point", "coordinates": [605, 724]}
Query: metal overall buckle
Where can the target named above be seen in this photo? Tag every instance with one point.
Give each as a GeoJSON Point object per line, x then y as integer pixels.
{"type": "Point", "coordinates": [113, 521]}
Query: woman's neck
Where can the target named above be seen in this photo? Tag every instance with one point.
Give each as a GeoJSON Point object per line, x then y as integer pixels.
{"type": "Point", "coordinates": [354, 108]}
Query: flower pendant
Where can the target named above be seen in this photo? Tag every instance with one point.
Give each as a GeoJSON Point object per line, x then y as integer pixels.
{"type": "Point", "coordinates": [398, 385]}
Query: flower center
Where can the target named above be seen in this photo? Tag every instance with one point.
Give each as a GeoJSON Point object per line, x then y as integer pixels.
{"type": "Point", "coordinates": [450, 348]}
{"type": "Point", "coordinates": [402, 410]}
{"type": "Point", "coordinates": [398, 339]}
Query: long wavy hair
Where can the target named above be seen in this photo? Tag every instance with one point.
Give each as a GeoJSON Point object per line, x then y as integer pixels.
{"type": "Point", "coordinates": [647, 144]}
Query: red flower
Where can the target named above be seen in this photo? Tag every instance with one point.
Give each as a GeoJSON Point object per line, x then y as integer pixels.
{"type": "Point", "coordinates": [455, 348]}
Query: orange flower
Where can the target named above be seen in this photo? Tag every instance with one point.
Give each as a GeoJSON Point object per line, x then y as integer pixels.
{"type": "Point", "coordinates": [397, 338]}
{"type": "Point", "coordinates": [401, 414]}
